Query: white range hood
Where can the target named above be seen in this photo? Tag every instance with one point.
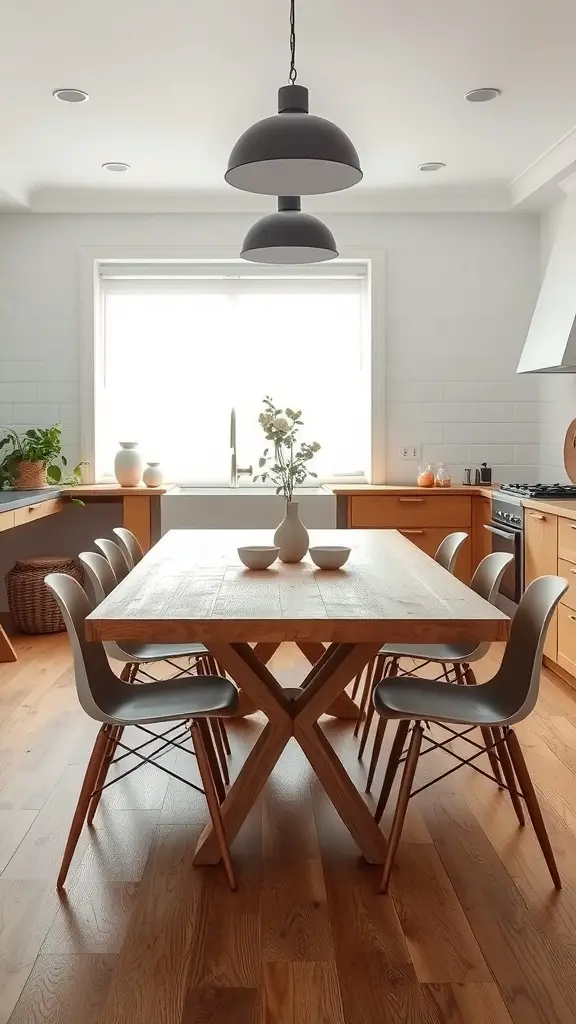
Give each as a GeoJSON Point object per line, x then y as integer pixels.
{"type": "Point", "coordinates": [550, 345]}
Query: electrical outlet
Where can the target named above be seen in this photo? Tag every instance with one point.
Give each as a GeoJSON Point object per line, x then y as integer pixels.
{"type": "Point", "coordinates": [411, 451]}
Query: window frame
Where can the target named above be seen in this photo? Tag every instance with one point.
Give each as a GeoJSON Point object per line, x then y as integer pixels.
{"type": "Point", "coordinates": [91, 327]}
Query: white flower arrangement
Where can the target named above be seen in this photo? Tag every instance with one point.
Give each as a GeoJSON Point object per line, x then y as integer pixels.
{"type": "Point", "coordinates": [287, 467]}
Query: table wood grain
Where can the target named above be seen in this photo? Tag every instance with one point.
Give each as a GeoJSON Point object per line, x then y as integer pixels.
{"type": "Point", "coordinates": [192, 587]}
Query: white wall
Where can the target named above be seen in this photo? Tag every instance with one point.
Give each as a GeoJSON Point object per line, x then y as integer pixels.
{"type": "Point", "coordinates": [557, 392]}
{"type": "Point", "coordinates": [453, 306]}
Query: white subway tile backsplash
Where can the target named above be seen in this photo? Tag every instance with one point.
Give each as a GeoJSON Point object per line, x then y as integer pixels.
{"type": "Point", "coordinates": [451, 453]}
{"type": "Point", "coordinates": [492, 433]}
{"type": "Point", "coordinates": [15, 392]}
{"type": "Point", "coordinates": [37, 414]}
{"type": "Point", "coordinates": [463, 412]}
{"type": "Point", "coordinates": [414, 390]}
{"type": "Point", "coordinates": [61, 391]}
{"type": "Point", "coordinates": [493, 454]}
{"type": "Point", "coordinates": [517, 388]}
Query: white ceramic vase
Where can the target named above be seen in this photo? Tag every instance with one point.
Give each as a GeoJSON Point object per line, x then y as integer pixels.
{"type": "Point", "coordinates": [128, 465]}
{"type": "Point", "coordinates": [291, 536]}
{"type": "Point", "coordinates": [153, 475]}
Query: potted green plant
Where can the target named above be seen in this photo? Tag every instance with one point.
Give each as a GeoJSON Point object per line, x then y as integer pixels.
{"type": "Point", "coordinates": [34, 459]}
{"type": "Point", "coordinates": [286, 468]}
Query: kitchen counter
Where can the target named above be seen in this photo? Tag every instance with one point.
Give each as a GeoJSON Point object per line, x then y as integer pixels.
{"type": "Point", "coordinates": [565, 507]}
{"type": "Point", "coordinates": [11, 499]}
{"type": "Point", "coordinates": [356, 490]}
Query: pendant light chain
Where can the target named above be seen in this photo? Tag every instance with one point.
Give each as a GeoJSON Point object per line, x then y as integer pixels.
{"type": "Point", "coordinates": [293, 72]}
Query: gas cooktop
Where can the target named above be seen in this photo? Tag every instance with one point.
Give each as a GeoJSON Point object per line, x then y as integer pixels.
{"type": "Point", "coordinates": [541, 490]}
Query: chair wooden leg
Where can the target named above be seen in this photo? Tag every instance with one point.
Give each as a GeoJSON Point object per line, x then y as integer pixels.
{"type": "Point", "coordinates": [114, 738]}
{"type": "Point", "coordinates": [509, 775]}
{"type": "Point", "coordinates": [224, 735]}
{"type": "Point", "coordinates": [402, 804]}
{"type": "Point", "coordinates": [209, 787]}
{"type": "Point", "coordinates": [523, 776]}
{"type": "Point", "coordinates": [217, 737]}
{"type": "Point", "coordinates": [358, 679]}
{"type": "Point", "coordinates": [380, 729]}
{"type": "Point", "coordinates": [366, 730]}
{"type": "Point", "coordinates": [392, 767]}
{"type": "Point", "coordinates": [212, 758]}
{"type": "Point", "coordinates": [372, 670]}
{"type": "Point", "coordinates": [391, 669]}
{"type": "Point", "coordinates": [92, 771]}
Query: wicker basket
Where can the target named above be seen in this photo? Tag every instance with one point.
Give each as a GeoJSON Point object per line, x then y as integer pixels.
{"type": "Point", "coordinates": [32, 606]}
{"type": "Point", "coordinates": [30, 476]}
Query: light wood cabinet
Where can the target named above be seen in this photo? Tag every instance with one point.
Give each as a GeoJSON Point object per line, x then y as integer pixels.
{"type": "Point", "coordinates": [566, 656]}
{"type": "Point", "coordinates": [396, 511]}
{"type": "Point", "coordinates": [6, 520]}
{"type": "Point", "coordinates": [425, 519]}
{"type": "Point", "coordinates": [29, 513]}
{"type": "Point", "coordinates": [541, 559]}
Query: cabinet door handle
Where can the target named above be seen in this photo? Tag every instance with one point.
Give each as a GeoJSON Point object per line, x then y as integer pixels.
{"type": "Point", "coordinates": [407, 532]}
{"type": "Point", "coordinates": [572, 526]}
{"type": "Point", "coordinates": [537, 515]}
{"type": "Point", "coordinates": [573, 617]}
{"type": "Point", "coordinates": [410, 500]}
{"type": "Point", "coordinates": [573, 570]}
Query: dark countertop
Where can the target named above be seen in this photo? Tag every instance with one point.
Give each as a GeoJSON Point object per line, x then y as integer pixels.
{"type": "Point", "coordinates": [11, 499]}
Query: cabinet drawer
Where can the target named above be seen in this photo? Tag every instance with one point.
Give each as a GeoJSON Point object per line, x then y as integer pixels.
{"type": "Point", "coordinates": [6, 520]}
{"type": "Point", "coordinates": [428, 540]}
{"type": "Point", "coordinates": [29, 513]}
{"type": "Point", "coordinates": [566, 656]}
{"type": "Point", "coordinates": [568, 571]}
{"type": "Point", "coordinates": [567, 539]}
{"type": "Point", "coordinates": [394, 512]}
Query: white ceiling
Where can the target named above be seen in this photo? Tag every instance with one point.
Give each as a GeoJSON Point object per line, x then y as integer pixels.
{"type": "Point", "coordinates": [173, 84]}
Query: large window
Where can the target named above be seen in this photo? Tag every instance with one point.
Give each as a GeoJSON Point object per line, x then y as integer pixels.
{"type": "Point", "coordinates": [180, 345]}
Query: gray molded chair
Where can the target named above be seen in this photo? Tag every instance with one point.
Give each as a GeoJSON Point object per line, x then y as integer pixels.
{"type": "Point", "coordinates": [115, 555]}
{"type": "Point", "coordinates": [446, 556]}
{"type": "Point", "coordinates": [135, 655]}
{"type": "Point", "coordinates": [496, 706]}
{"type": "Point", "coordinates": [117, 704]}
{"type": "Point", "coordinates": [486, 583]}
{"type": "Point", "coordinates": [130, 545]}
{"type": "Point", "coordinates": [448, 550]}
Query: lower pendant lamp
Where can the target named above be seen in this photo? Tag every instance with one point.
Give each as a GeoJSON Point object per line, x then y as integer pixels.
{"type": "Point", "coordinates": [289, 236]}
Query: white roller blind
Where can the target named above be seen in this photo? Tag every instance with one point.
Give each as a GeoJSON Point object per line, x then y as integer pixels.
{"type": "Point", "coordinates": [182, 344]}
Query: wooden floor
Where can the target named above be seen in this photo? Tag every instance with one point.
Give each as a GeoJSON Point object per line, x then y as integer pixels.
{"type": "Point", "coordinates": [472, 933]}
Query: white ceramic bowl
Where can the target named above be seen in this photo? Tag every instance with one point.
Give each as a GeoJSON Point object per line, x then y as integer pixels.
{"type": "Point", "coordinates": [258, 556]}
{"type": "Point", "coordinates": [329, 556]}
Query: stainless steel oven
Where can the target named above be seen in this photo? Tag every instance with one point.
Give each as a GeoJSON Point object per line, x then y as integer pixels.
{"type": "Point", "coordinates": [506, 528]}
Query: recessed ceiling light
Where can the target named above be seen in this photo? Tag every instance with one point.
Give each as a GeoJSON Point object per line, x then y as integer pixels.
{"type": "Point", "coordinates": [71, 95]}
{"type": "Point", "coordinates": [116, 165]}
{"type": "Point", "coordinates": [483, 95]}
{"type": "Point", "coordinates": [431, 165]}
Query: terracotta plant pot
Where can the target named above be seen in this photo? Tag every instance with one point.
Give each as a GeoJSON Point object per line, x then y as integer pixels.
{"type": "Point", "coordinates": [30, 476]}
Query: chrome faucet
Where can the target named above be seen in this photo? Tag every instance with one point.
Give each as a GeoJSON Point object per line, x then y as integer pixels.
{"type": "Point", "coordinates": [235, 470]}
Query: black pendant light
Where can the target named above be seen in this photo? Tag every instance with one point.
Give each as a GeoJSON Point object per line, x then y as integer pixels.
{"type": "Point", "coordinates": [289, 236]}
{"type": "Point", "coordinates": [293, 152]}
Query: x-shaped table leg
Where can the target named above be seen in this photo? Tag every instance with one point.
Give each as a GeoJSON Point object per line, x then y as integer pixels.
{"type": "Point", "coordinates": [296, 717]}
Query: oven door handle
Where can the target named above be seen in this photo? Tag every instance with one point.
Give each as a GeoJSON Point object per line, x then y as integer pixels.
{"type": "Point", "coordinates": [500, 533]}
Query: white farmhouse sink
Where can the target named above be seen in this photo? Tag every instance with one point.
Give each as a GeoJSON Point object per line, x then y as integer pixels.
{"type": "Point", "coordinates": [222, 508]}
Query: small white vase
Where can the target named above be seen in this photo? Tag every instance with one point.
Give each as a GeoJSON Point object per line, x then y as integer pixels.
{"type": "Point", "coordinates": [291, 536]}
{"type": "Point", "coordinates": [128, 465]}
{"type": "Point", "coordinates": [153, 475]}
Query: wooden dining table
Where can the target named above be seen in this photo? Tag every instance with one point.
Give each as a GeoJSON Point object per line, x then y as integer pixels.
{"type": "Point", "coordinates": [191, 586]}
